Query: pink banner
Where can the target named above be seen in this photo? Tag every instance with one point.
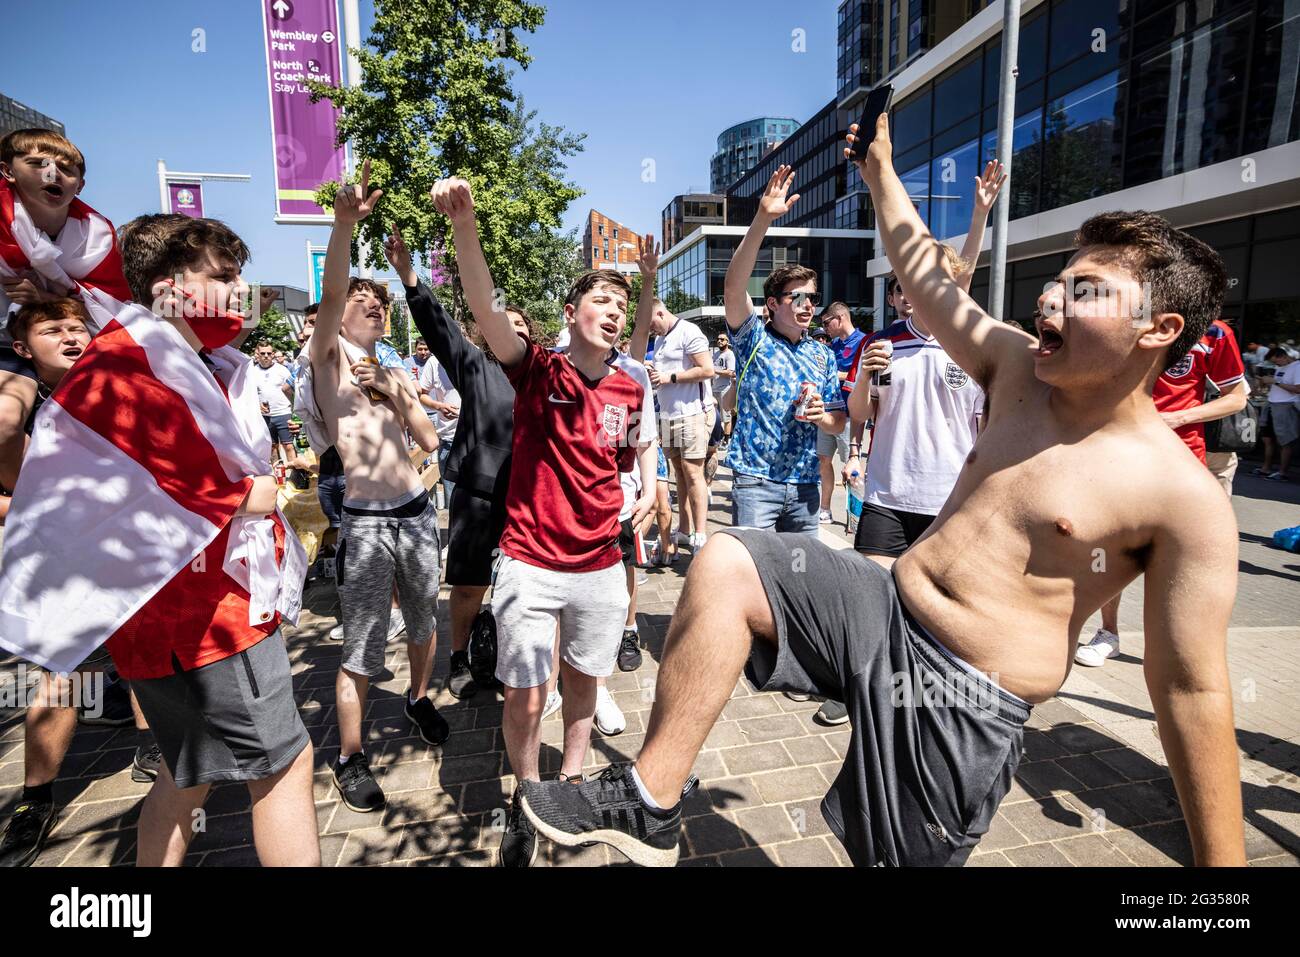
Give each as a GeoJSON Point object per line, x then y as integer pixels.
{"type": "Point", "coordinates": [186, 199]}
{"type": "Point", "coordinates": [302, 43]}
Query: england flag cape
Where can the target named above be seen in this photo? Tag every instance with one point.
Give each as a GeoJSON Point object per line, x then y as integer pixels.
{"type": "Point", "coordinates": [84, 259]}
{"type": "Point", "coordinates": [136, 463]}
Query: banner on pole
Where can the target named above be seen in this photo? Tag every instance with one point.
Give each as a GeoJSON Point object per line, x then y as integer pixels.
{"type": "Point", "coordinates": [315, 270]}
{"type": "Point", "coordinates": [302, 42]}
{"type": "Point", "coordinates": [186, 199]}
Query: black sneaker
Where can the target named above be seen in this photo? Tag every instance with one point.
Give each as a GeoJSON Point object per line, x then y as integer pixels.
{"type": "Point", "coordinates": [629, 651]}
{"type": "Point", "coordinates": [144, 767]}
{"type": "Point", "coordinates": [112, 710]}
{"type": "Point", "coordinates": [25, 835]}
{"type": "Point", "coordinates": [432, 726]}
{"type": "Point", "coordinates": [460, 682]}
{"type": "Point", "coordinates": [519, 843]}
{"type": "Point", "coordinates": [357, 786]}
{"type": "Point", "coordinates": [607, 809]}
{"type": "Point", "coordinates": [832, 712]}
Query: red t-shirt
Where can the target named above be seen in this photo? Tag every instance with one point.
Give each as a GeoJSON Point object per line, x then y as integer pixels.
{"type": "Point", "coordinates": [572, 439]}
{"type": "Point", "coordinates": [197, 618]}
{"type": "Point", "coordinates": [1216, 358]}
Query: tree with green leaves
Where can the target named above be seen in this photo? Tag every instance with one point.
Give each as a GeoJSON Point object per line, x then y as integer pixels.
{"type": "Point", "coordinates": [274, 327]}
{"type": "Point", "coordinates": [435, 100]}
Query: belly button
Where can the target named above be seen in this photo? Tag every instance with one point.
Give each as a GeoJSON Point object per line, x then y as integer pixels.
{"type": "Point", "coordinates": [1064, 527]}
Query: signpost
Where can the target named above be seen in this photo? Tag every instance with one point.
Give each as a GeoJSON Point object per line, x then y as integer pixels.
{"type": "Point", "coordinates": [302, 43]}
{"type": "Point", "coordinates": [315, 270]}
{"type": "Point", "coordinates": [183, 192]}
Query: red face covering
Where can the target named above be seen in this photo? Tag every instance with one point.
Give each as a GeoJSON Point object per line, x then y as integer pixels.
{"type": "Point", "coordinates": [213, 327]}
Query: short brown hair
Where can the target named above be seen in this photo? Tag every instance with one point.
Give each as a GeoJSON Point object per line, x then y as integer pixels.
{"type": "Point", "coordinates": [593, 278]}
{"type": "Point", "coordinates": [162, 244]}
{"type": "Point", "coordinates": [378, 288]}
{"type": "Point", "coordinates": [22, 142]}
{"type": "Point", "coordinates": [1184, 274]}
{"type": "Point", "coordinates": [837, 306]}
{"type": "Point", "coordinates": [890, 282]}
{"type": "Point", "coordinates": [20, 322]}
{"type": "Point", "coordinates": [780, 278]}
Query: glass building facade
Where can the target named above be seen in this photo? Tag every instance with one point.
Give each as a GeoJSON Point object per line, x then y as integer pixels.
{"type": "Point", "coordinates": [1114, 94]}
{"type": "Point", "coordinates": [688, 212]}
{"type": "Point", "coordinates": [16, 116]}
{"type": "Point", "coordinates": [695, 277]}
{"type": "Point", "coordinates": [743, 145]}
{"type": "Point", "coordinates": [1110, 94]}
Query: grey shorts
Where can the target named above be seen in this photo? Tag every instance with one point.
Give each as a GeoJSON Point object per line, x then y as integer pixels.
{"type": "Point", "coordinates": [232, 720]}
{"type": "Point", "coordinates": [1286, 421]}
{"type": "Point", "coordinates": [934, 743]}
{"type": "Point", "coordinates": [528, 602]}
{"type": "Point", "coordinates": [379, 547]}
{"type": "Point", "coordinates": [828, 444]}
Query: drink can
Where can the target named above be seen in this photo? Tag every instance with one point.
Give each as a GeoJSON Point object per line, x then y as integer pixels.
{"type": "Point", "coordinates": [884, 378]}
{"type": "Point", "coordinates": [375, 394]}
{"type": "Point", "coordinates": [277, 470]}
{"type": "Point", "coordinates": [806, 390]}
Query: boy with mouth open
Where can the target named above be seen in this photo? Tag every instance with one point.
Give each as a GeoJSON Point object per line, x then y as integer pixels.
{"type": "Point", "coordinates": [581, 418]}
{"type": "Point", "coordinates": [389, 531]}
{"type": "Point", "coordinates": [1074, 488]}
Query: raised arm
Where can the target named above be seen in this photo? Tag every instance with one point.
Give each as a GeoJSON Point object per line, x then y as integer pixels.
{"type": "Point", "coordinates": [349, 209]}
{"type": "Point", "coordinates": [975, 340]}
{"type": "Point", "coordinates": [648, 263]}
{"type": "Point", "coordinates": [437, 327]}
{"type": "Point", "coordinates": [1191, 582]}
{"type": "Point", "coordinates": [453, 199]}
{"type": "Point", "coordinates": [771, 206]}
{"type": "Point", "coordinates": [987, 188]}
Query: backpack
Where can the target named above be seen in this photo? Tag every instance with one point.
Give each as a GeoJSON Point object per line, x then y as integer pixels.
{"type": "Point", "coordinates": [483, 650]}
{"type": "Point", "coordinates": [1234, 433]}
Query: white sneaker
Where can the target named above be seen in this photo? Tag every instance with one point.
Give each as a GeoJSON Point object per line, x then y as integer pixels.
{"type": "Point", "coordinates": [697, 541]}
{"type": "Point", "coordinates": [825, 517]}
{"type": "Point", "coordinates": [553, 702]}
{"type": "Point", "coordinates": [396, 624]}
{"type": "Point", "coordinates": [683, 538]}
{"type": "Point", "coordinates": [1104, 644]}
{"type": "Point", "coordinates": [336, 633]}
{"type": "Point", "coordinates": [609, 719]}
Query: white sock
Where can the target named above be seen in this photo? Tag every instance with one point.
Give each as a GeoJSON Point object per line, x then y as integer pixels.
{"type": "Point", "coordinates": [343, 760]}
{"type": "Point", "coordinates": [631, 627]}
{"type": "Point", "coordinates": [645, 795]}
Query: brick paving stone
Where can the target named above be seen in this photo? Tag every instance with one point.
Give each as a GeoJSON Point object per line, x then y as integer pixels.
{"type": "Point", "coordinates": [1037, 855]}
{"type": "Point", "coordinates": [1047, 777]}
{"type": "Point", "coordinates": [1046, 820]}
{"type": "Point", "coordinates": [992, 859]}
{"type": "Point", "coordinates": [767, 825]}
{"type": "Point", "coordinates": [749, 857]}
{"type": "Point", "coordinates": [712, 834]}
{"type": "Point", "coordinates": [1001, 834]}
{"type": "Point", "coordinates": [1092, 850]}
{"type": "Point", "coordinates": [756, 757]}
{"type": "Point", "coordinates": [812, 749]}
{"type": "Point", "coordinates": [777, 787]}
{"type": "Point", "coordinates": [811, 852]}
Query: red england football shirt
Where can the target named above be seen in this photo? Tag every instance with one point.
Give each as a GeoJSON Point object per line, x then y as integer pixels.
{"type": "Point", "coordinates": [573, 436]}
{"type": "Point", "coordinates": [1215, 358]}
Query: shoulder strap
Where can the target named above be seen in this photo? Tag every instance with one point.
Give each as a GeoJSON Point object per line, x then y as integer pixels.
{"type": "Point", "coordinates": [758, 341]}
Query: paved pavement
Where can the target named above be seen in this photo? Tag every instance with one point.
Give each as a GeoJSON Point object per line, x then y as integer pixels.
{"type": "Point", "coordinates": [1094, 788]}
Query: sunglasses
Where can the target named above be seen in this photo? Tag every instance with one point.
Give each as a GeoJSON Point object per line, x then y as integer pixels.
{"type": "Point", "coordinates": [799, 299]}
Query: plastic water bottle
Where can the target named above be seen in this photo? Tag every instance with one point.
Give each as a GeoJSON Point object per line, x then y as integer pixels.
{"type": "Point", "coordinates": [857, 492]}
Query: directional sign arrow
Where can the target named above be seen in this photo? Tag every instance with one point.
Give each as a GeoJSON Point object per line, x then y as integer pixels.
{"type": "Point", "coordinates": [282, 10]}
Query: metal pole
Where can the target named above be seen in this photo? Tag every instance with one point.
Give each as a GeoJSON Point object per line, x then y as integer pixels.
{"type": "Point", "coordinates": [1006, 125]}
{"type": "Point", "coordinates": [352, 34]}
{"type": "Point", "coordinates": [164, 201]}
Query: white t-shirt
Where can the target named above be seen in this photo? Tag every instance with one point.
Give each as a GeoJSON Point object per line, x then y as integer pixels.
{"type": "Point", "coordinates": [436, 385]}
{"type": "Point", "coordinates": [268, 383]}
{"type": "Point", "coordinates": [1291, 376]}
{"type": "Point", "coordinates": [646, 434]}
{"type": "Point", "coordinates": [925, 425]}
{"type": "Point", "coordinates": [723, 360]}
{"type": "Point", "coordinates": [672, 354]}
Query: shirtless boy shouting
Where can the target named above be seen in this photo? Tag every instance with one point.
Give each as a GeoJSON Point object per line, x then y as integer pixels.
{"type": "Point", "coordinates": [1074, 488]}
{"type": "Point", "coordinates": [389, 532]}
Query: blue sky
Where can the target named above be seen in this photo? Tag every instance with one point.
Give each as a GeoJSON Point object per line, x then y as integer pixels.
{"type": "Point", "coordinates": [643, 80]}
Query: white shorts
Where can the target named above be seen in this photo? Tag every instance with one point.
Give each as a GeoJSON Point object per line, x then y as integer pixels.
{"type": "Point", "coordinates": [527, 602]}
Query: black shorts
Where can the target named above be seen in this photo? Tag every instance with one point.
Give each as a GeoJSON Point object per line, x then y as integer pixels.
{"type": "Point", "coordinates": [627, 543]}
{"type": "Point", "coordinates": [887, 531]}
{"type": "Point", "coordinates": [12, 362]}
{"type": "Point", "coordinates": [934, 744]}
{"type": "Point", "coordinates": [475, 523]}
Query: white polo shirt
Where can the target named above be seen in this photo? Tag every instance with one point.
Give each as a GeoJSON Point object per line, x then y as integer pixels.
{"type": "Point", "coordinates": [673, 350]}
{"type": "Point", "coordinates": [925, 424]}
{"type": "Point", "coordinates": [269, 382]}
